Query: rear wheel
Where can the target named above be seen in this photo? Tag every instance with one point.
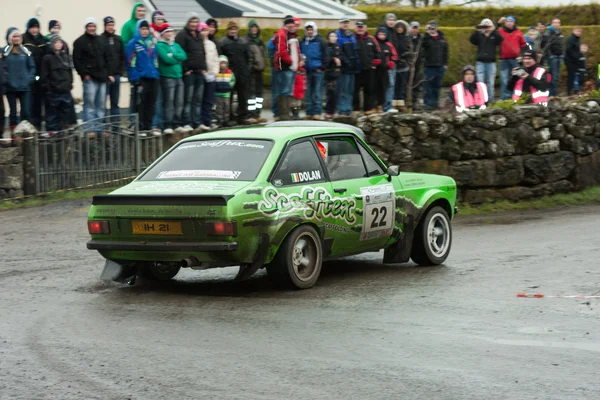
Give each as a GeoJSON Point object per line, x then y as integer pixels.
{"type": "Point", "coordinates": [299, 259]}
{"type": "Point", "coordinates": [158, 271]}
{"type": "Point", "coordinates": [433, 238]}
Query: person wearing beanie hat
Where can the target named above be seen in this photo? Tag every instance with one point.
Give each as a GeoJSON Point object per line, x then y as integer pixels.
{"type": "Point", "coordinates": [213, 27]}
{"type": "Point", "coordinates": [158, 19]}
{"type": "Point", "coordinates": [54, 27]}
{"type": "Point", "coordinates": [510, 50]}
{"type": "Point", "coordinates": [142, 68]}
{"type": "Point", "coordinates": [368, 62]}
{"type": "Point", "coordinates": [468, 94]}
{"type": "Point", "coordinates": [210, 77]}
{"type": "Point", "coordinates": [531, 78]}
{"type": "Point", "coordinates": [57, 79]}
{"type": "Point", "coordinates": [92, 59]}
{"type": "Point", "coordinates": [36, 44]}
{"type": "Point", "coordinates": [259, 63]}
{"type": "Point", "coordinates": [287, 62]}
{"type": "Point", "coordinates": [389, 25]}
{"type": "Point", "coordinates": [314, 47]}
{"type": "Point", "coordinates": [488, 41]}
{"type": "Point", "coordinates": [403, 51]}
{"type": "Point", "coordinates": [116, 66]}
{"type": "Point", "coordinates": [170, 57]}
{"type": "Point", "coordinates": [345, 84]}
{"type": "Point", "coordinates": [194, 68]}
{"type": "Point", "coordinates": [238, 53]}
{"type": "Point", "coordinates": [225, 82]}
{"type": "Point", "coordinates": [19, 71]}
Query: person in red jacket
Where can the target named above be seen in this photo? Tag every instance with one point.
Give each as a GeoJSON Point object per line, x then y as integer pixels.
{"type": "Point", "coordinates": [287, 61]}
{"type": "Point", "coordinates": [510, 50]}
{"type": "Point", "coordinates": [386, 53]}
{"type": "Point", "coordinates": [299, 89]}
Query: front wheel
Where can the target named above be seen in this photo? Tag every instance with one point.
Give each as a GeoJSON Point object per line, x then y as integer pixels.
{"type": "Point", "coordinates": [299, 259]}
{"type": "Point", "coordinates": [158, 271]}
{"type": "Point", "coordinates": [433, 238]}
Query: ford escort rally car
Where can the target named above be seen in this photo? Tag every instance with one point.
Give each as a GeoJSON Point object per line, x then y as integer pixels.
{"type": "Point", "coordinates": [275, 197]}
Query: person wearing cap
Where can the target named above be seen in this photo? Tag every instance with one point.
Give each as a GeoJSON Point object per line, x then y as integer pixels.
{"type": "Point", "coordinates": [487, 40]}
{"type": "Point", "coordinates": [170, 57]}
{"type": "Point", "coordinates": [314, 48]}
{"type": "Point", "coordinates": [54, 28]}
{"type": "Point", "coordinates": [210, 77]}
{"type": "Point", "coordinates": [553, 47]}
{"type": "Point", "coordinates": [469, 94]}
{"type": "Point", "coordinates": [57, 79]}
{"type": "Point", "coordinates": [116, 65]}
{"type": "Point", "coordinates": [257, 68]}
{"type": "Point", "coordinates": [19, 71]}
{"type": "Point", "coordinates": [239, 55]}
{"type": "Point", "coordinates": [138, 12]}
{"type": "Point", "coordinates": [287, 61]}
{"type": "Point", "coordinates": [142, 68]}
{"type": "Point", "coordinates": [36, 44]}
{"type": "Point", "coordinates": [510, 50]}
{"type": "Point", "coordinates": [213, 28]}
{"type": "Point", "coordinates": [390, 25]}
{"type": "Point", "coordinates": [416, 43]}
{"type": "Point", "coordinates": [158, 19]}
{"type": "Point", "coordinates": [435, 55]}
{"type": "Point", "coordinates": [91, 59]}
{"type": "Point", "coordinates": [194, 69]}
{"type": "Point", "coordinates": [345, 83]}
{"type": "Point", "coordinates": [532, 78]}
{"type": "Point", "coordinates": [367, 56]}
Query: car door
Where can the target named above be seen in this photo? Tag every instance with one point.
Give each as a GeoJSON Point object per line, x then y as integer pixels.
{"type": "Point", "coordinates": [354, 173]}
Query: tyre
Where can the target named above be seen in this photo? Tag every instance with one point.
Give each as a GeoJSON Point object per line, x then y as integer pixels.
{"type": "Point", "coordinates": [433, 238]}
{"type": "Point", "coordinates": [157, 271]}
{"type": "Point", "coordinates": [298, 261]}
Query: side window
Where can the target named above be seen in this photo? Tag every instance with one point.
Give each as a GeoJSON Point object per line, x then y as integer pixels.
{"type": "Point", "coordinates": [300, 165]}
{"type": "Point", "coordinates": [373, 167]}
{"type": "Point", "coordinates": [342, 158]}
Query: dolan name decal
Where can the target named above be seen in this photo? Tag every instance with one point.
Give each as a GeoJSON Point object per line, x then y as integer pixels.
{"type": "Point", "coordinates": [315, 203]}
{"type": "Point", "coordinates": [306, 176]}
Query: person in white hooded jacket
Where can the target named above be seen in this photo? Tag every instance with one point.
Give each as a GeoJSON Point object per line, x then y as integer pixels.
{"type": "Point", "coordinates": [212, 69]}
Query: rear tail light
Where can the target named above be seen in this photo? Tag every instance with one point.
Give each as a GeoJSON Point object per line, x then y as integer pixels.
{"type": "Point", "coordinates": [98, 227]}
{"type": "Point", "coordinates": [221, 228]}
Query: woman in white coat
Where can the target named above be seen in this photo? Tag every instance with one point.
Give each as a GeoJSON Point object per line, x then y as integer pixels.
{"type": "Point", "coordinates": [212, 66]}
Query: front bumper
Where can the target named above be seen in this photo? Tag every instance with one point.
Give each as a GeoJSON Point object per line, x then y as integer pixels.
{"type": "Point", "coordinates": [162, 246]}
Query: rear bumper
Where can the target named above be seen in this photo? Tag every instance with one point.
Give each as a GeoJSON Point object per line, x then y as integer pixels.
{"type": "Point", "coordinates": [162, 246]}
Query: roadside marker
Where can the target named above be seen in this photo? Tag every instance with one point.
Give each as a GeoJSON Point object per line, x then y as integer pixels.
{"type": "Point", "coordinates": [540, 295]}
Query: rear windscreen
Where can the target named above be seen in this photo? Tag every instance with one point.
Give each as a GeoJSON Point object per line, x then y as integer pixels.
{"type": "Point", "coordinates": [223, 159]}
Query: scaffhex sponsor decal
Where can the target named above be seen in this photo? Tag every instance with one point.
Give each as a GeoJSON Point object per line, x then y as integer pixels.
{"type": "Point", "coordinates": [313, 202]}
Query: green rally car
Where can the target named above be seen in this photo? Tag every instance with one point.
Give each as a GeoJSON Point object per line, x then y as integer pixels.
{"type": "Point", "coordinates": [285, 198]}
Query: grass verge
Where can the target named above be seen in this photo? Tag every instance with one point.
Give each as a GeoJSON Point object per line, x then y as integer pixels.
{"type": "Point", "coordinates": [9, 204]}
{"type": "Point", "coordinates": [589, 195]}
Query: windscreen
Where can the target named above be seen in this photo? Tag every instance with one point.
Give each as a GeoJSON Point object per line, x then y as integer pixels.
{"type": "Point", "coordinates": [222, 159]}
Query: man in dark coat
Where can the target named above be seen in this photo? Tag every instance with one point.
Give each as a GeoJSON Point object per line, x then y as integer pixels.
{"type": "Point", "coordinates": [390, 27]}
{"type": "Point", "coordinates": [36, 44]}
{"type": "Point", "coordinates": [553, 48]}
{"type": "Point", "coordinates": [365, 79]}
{"type": "Point", "coordinates": [116, 66]}
{"type": "Point", "coordinates": [435, 53]}
{"type": "Point", "coordinates": [57, 79]}
{"type": "Point", "coordinates": [237, 51]}
{"type": "Point", "coordinates": [572, 57]}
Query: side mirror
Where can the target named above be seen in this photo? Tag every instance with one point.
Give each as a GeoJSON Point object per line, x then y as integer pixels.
{"type": "Point", "coordinates": [393, 170]}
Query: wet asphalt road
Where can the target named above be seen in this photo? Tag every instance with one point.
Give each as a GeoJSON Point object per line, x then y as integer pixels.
{"type": "Point", "coordinates": [367, 331]}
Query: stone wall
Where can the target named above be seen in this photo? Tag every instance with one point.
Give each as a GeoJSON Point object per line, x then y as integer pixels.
{"type": "Point", "coordinates": [525, 152]}
{"type": "Point", "coordinates": [11, 172]}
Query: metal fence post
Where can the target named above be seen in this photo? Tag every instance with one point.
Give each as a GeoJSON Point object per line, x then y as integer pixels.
{"type": "Point", "coordinates": [36, 161]}
{"type": "Point", "coordinates": [138, 146]}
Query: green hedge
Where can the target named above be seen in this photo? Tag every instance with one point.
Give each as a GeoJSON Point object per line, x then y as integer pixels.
{"type": "Point", "coordinates": [462, 52]}
{"type": "Point", "coordinates": [469, 17]}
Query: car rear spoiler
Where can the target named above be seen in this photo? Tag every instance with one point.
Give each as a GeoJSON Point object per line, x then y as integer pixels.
{"type": "Point", "coordinates": [160, 200]}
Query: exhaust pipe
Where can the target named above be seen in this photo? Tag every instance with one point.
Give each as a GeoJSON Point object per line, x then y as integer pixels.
{"type": "Point", "coordinates": [192, 262]}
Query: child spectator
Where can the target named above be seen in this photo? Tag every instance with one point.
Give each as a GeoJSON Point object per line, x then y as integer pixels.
{"type": "Point", "coordinates": [386, 53]}
{"type": "Point", "coordinates": [57, 80]}
{"type": "Point", "coordinates": [19, 67]}
{"type": "Point", "coordinates": [225, 82]}
{"type": "Point", "coordinates": [299, 89]}
{"type": "Point", "coordinates": [333, 70]}
{"type": "Point", "coordinates": [142, 66]}
{"type": "Point", "coordinates": [582, 70]}
{"type": "Point", "coordinates": [210, 77]}
{"type": "Point", "coordinates": [170, 57]}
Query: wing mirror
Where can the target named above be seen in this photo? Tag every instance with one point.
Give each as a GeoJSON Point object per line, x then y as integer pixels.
{"type": "Point", "coordinates": [393, 170]}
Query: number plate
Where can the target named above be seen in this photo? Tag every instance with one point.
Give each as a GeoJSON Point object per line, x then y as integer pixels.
{"type": "Point", "coordinates": [156, 228]}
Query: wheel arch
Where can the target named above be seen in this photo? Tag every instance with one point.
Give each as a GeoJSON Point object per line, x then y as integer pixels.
{"type": "Point", "coordinates": [436, 198]}
{"type": "Point", "coordinates": [284, 231]}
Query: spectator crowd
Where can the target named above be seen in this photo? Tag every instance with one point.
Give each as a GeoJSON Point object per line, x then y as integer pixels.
{"type": "Point", "coordinates": [186, 81]}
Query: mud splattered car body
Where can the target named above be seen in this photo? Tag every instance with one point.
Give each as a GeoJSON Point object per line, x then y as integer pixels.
{"type": "Point", "coordinates": [234, 198]}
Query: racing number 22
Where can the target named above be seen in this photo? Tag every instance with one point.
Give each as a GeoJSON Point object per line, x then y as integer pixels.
{"type": "Point", "coordinates": [379, 215]}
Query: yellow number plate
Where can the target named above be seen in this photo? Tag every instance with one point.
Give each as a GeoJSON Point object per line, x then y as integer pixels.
{"type": "Point", "coordinates": [156, 228]}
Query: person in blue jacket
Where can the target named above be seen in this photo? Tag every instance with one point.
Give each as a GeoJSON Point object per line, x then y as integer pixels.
{"type": "Point", "coordinates": [19, 68]}
{"type": "Point", "coordinates": [142, 68]}
{"type": "Point", "coordinates": [345, 83]}
{"type": "Point", "coordinates": [314, 48]}
{"type": "Point", "coordinates": [271, 55]}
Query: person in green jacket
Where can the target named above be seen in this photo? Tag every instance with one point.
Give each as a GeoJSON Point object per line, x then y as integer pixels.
{"type": "Point", "coordinates": [128, 29]}
{"type": "Point", "coordinates": [170, 57]}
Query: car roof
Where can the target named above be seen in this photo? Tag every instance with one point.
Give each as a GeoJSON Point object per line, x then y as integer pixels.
{"type": "Point", "coordinates": [318, 124]}
{"type": "Point", "coordinates": [267, 132]}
